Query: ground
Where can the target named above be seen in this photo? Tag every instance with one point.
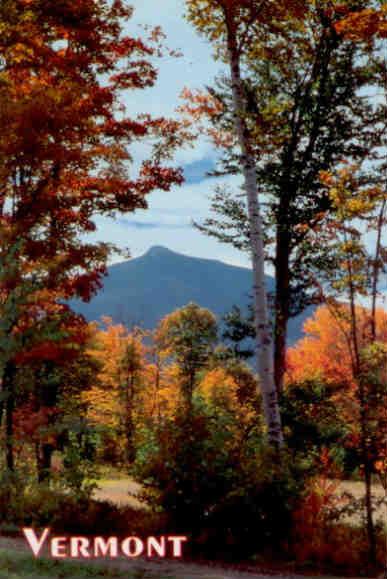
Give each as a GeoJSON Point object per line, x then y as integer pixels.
{"type": "Point", "coordinates": [121, 491]}
{"type": "Point", "coordinates": [16, 561]}
{"type": "Point", "coordinates": [124, 491]}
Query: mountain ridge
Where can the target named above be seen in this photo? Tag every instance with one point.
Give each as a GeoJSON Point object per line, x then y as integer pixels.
{"type": "Point", "coordinates": [142, 290]}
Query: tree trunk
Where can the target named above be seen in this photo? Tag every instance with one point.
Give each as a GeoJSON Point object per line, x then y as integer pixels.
{"type": "Point", "coordinates": [9, 389]}
{"type": "Point", "coordinates": [189, 389]}
{"type": "Point", "coordinates": [130, 453]}
{"type": "Point", "coordinates": [364, 433]}
{"type": "Point", "coordinates": [367, 475]}
{"type": "Point", "coordinates": [264, 334]}
{"type": "Point", "coordinates": [46, 398]}
{"type": "Point", "coordinates": [376, 267]}
{"type": "Point", "coordinates": [44, 454]}
{"type": "Point", "coordinates": [282, 303]}
{"type": "Point", "coordinates": [370, 523]}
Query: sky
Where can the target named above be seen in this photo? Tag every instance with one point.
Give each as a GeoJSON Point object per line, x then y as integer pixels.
{"type": "Point", "coordinates": [168, 220]}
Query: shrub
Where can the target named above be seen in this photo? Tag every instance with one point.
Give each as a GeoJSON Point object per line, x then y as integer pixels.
{"type": "Point", "coordinates": [186, 469]}
{"type": "Point", "coordinates": [40, 506]}
{"type": "Point", "coordinates": [80, 470]}
{"type": "Point", "coordinates": [218, 482]}
{"type": "Point", "coordinates": [13, 486]}
{"type": "Point", "coordinates": [24, 502]}
{"type": "Point", "coordinates": [324, 542]}
{"type": "Point", "coordinates": [256, 515]}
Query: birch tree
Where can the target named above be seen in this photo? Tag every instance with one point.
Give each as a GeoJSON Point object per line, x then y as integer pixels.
{"type": "Point", "coordinates": [305, 92]}
{"type": "Point", "coordinates": [233, 26]}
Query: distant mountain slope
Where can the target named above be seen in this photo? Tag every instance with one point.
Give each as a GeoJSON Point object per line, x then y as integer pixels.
{"type": "Point", "coordinates": [143, 290]}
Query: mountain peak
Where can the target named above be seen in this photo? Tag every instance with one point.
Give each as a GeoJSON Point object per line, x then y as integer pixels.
{"type": "Point", "coordinates": [158, 251]}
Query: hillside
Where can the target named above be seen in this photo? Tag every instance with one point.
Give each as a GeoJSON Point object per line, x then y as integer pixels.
{"type": "Point", "coordinates": [143, 290]}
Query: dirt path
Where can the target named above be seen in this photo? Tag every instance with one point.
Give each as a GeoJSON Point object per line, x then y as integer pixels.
{"type": "Point", "coordinates": [122, 491]}
{"type": "Point", "coordinates": [152, 569]}
{"type": "Point", "coordinates": [125, 491]}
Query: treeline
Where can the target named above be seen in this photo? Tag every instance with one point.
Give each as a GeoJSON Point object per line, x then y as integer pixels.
{"type": "Point", "coordinates": [179, 410]}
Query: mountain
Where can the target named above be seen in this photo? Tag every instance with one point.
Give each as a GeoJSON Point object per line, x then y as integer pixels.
{"type": "Point", "coordinates": [143, 290]}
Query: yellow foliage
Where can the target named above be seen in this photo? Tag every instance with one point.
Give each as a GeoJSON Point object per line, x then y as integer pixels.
{"type": "Point", "coordinates": [219, 388]}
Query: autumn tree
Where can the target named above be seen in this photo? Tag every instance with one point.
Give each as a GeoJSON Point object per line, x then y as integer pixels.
{"type": "Point", "coordinates": [65, 154]}
{"type": "Point", "coordinates": [304, 112]}
{"type": "Point", "coordinates": [208, 465]}
{"type": "Point", "coordinates": [117, 400]}
{"type": "Point", "coordinates": [138, 386]}
{"type": "Point", "coordinates": [325, 356]}
{"type": "Point", "coordinates": [364, 23]}
{"type": "Point", "coordinates": [188, 336]}
{"type": "Point", "coordinates": [51, 372]}
{"type": "Point", "coordinates": [230, 387]}
{"type": "Point", "coordinates": [357, 276]}
{"type": "Point", "coordinates": [358, 207]}
{"type": "Point", "coordinates": [162, 397]}
{"type": "Point", "coordinates": [58, 387]}
{"type": "Point", "coordinates": [130, 370]}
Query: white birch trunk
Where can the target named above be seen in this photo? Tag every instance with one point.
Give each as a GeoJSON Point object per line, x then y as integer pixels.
{"type": "Point", "coordinates": [264, 333]}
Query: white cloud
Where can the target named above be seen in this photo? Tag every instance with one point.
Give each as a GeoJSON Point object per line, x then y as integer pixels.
{"type": "Point", "coordinates": [201, 150]}
{"type": "Point", "coordinates": [168, 222]}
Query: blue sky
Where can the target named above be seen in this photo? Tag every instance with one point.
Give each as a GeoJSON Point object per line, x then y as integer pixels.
{"type": "Point", "coordinates": [168, 221]}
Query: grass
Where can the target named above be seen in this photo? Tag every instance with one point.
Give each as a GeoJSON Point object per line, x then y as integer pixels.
{"type": "Point", "coordinates": [14, 565]}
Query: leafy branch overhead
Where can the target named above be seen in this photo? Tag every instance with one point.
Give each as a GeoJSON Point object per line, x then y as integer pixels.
{"type": "Point", "coordinates": [304, 81]}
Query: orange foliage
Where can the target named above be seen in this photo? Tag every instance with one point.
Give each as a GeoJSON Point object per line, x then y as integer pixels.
{"type": "Point", "coordinates": [220, 388]}
{"type": "Point", "coordinates": [160, 383]}
{"type": "Point", "coordinates": [325, 351]}
{"type": "Point", "coordinates": [365, 24]}
{"type": "Point", "coordinates": [104, 399]}
{"type": "Point", "coordinates": [326, 354]}
{"type": "Point", "coordinates": [160, 392]}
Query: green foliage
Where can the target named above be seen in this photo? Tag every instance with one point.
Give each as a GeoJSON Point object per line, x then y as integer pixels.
{"type": "Point", "coordinates": [189, 465]}
{"type": "Point", "coordinates": [311, 419]}
{"type": "Point", "coordinates": [218, 484]}
{"type": "Point", "coordinates": [80, 470]}
{"type": "Point", "coordinates": [188, 335]}
{"type": "Point", "coordinates": [239, 328]}
{"type": "Point", "coordinates": [305, 114]}
{"type": "Point", "coordinates": [39, 506]}
{"type": "Point", "coordinates": [256, 515]}
{"type": "Point", "coordinates": [13, 487]}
